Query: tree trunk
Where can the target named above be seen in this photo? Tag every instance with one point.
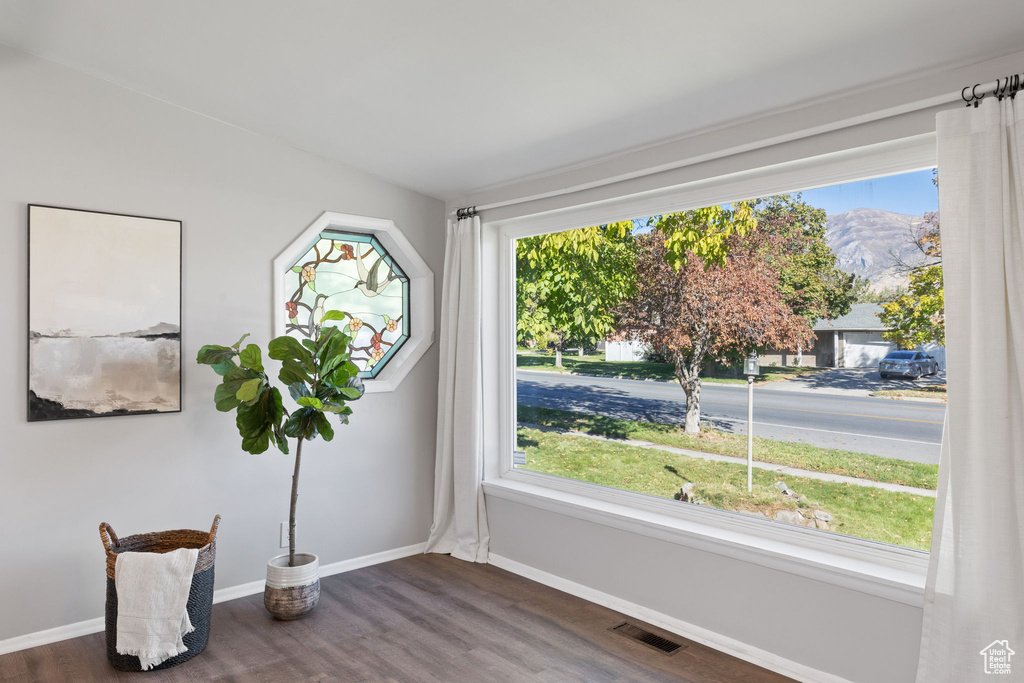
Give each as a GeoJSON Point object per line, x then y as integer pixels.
{"type": "Point", "coordinates": [692, 390]}
{"type": "Point", "coordinates": [799, 355]}
{"type": "Point", "coordinates": [295, 499]}
{"type": "Point", "coordinates": [689, 380]}
{"type": "Point", "coordinates": [558, 355]}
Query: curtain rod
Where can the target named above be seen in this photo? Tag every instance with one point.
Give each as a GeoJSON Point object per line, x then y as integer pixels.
{"type": "Point", "coordinates": [1000, 88]}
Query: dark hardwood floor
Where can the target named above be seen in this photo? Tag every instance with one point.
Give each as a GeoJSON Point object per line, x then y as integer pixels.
{"type": "Point", "coordinates": [423, 618]}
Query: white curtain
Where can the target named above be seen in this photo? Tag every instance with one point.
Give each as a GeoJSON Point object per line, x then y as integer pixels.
{"type": "Point", "coordinates": [974, 597]}
{"type": "Point", "coordinates": [460, 518]}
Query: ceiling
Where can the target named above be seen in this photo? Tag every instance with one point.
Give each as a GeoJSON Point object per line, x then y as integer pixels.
{"type": "Point", "coordinates": [450, 96]}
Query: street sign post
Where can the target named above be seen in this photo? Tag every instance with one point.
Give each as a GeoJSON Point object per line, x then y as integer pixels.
{"type": "Point", "coordinates": [751, 369]}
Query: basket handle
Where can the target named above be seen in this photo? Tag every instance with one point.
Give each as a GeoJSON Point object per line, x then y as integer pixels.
{"type": "Point", "coordinates": [108, 537]}
{"type": "Point", "coordinates": [213, 529]}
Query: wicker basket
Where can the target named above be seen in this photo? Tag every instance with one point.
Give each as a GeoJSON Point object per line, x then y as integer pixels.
{"type": "Point", "coordinates": [200, 597]}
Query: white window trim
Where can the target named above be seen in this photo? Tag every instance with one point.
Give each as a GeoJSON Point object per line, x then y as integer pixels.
{"type": "Point", "coordinates": [421, 288]}
{"type": "Point", "coordinates": [870, 567]}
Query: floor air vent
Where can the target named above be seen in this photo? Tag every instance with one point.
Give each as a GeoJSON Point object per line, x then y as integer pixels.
{"type": "Point", "coordinates": [663, 645]}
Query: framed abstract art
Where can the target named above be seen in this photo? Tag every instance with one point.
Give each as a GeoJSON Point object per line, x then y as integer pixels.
{"type": "Point", "coordinates": [104, 314]}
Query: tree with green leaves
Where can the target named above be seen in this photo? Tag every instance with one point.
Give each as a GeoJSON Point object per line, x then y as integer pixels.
{"type": "Point", "coordinates": [919, 316]}
{"type": "Point", "coordinates": [863, 293]}
{"type": "Point", "coordinates": [319, 377]}
{"type": "Point", "coordinates": [791, 236]}
{"type": "Point", "coordinates": [567, 283]}
{"type": "Point", "coordinates": [704, 233]}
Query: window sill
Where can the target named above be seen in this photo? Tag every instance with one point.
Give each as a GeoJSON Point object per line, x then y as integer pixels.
{"type": "Point", "coordinates": [868, 567]}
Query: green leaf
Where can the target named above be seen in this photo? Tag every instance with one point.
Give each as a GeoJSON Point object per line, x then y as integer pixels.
{"type": "Point", "coordinates": [298, 390]}
{"type": "Point", "coordinates": [280, 439]}
{"type": "Point", "coordinates": [275, 409]}
{"type": "Point", "coordinates": [249, 390]}
{"type": "Point", "coordinates": [301, 423]}
{"type": "Point", "coordinates": [237, 345]}
{"type": "Point", "coordinates": [309, 344]}
{"type": "Point", "coordinates": [292, 372]}
{"type": "Point", "coordinates": [328, 367]}
{"type": "Point", "coordinates": [296, 269]}
{"type": "Point", "coordinates": [345, 375]}
{"type": "Point", "coordinates": [223, 368]}
{"type": "Point", "coordinates": [323, 426]}
{"type": "Point", "coordinates": [236, 373]}
{"type": "Point", "coordinates": [251, 419]}
{"type": "Point", "coordinates": [310, 402]}
{"type": "Point", "coordinates": [351, 393]}
{"type": "Point", "coordinates": [251, 357]}
{"type": "Point", "coordinates": [285, 347]}
{"type": "Point", "coordinates": [312, 285]}
{"type": "Point", "coordinates": [224, 397]}
{"type": "Point", "coordinates": [212, 354]}
{"type": "Point", "coordinates": [258, 443]}
{"type": "Point", "coordinates": [260, 418]}
{"type": "Point", "coordinates": [333, 315]}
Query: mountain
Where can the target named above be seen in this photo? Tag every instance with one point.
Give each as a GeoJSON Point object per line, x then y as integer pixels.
{"type": "Point", "coordinates": [165, 330]}
{"type": "Point", "coordinates": [866, 242]}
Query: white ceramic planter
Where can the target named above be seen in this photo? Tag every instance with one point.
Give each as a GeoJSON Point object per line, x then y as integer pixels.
{"type": "Point", "coordinates": [292, 591]}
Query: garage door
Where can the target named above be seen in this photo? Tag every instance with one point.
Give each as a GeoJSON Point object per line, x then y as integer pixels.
{"type": "Point", "coordinates": [865, 349]}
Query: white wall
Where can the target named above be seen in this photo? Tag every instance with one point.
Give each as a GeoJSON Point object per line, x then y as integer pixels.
{"type": "Point", "coordinates": [68, 139]}
{"type": "Point", "coordinates": [625, 350]}
{"type": "Point", "coordinates": [817, 625]}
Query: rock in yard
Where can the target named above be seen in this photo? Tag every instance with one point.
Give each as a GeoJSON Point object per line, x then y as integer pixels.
{"type": "Point", "coordinates": [823, 516]}
{"type": "Point", "coordinates": [790, 517]}
{"type": "Point", "coordinates": [781, 486]}
{"type": "Point", "coordinates": [686, 494]}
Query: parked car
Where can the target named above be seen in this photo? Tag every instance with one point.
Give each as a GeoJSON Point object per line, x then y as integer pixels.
{"type": "Point", "coordinates": [912, 364]}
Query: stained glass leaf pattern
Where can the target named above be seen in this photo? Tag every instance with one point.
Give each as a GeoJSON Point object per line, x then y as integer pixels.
{"type": "Point", "coordinates": [349, 281]}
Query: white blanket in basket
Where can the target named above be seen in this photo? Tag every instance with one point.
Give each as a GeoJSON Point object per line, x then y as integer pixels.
{"type": "Point", "coordinates": [152, 592]}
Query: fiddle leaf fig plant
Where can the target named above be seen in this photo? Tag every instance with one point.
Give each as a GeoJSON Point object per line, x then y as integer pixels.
{"type": "Point", "coordinates": [318, 375]}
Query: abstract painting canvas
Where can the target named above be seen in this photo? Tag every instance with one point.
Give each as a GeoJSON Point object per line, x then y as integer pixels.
{"type": "Point", "coordinates": [104, 314]}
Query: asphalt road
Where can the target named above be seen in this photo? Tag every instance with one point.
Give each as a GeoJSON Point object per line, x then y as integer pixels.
{"type": "Point", "coordinates": [896, 429]}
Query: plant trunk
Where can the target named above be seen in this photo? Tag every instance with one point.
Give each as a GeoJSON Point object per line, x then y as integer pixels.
{"type": "Point", "coordinates": [799, 355]}
{"type": "Point", "coordinates": [558, 355]}
{"type": "Point", "coordinates": [689, 380]}
{"type": "Point", "coordinates": [692, 423]}
{"type": "Point", "coordinates": [295, 499]}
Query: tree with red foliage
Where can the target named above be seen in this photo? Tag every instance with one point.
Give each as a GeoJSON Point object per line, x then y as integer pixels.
{"type": "Point", "coordinates": [699, 312]}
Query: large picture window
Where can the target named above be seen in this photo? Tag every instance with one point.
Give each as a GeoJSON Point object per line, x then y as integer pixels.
{"type": "Point", "coordinates": [631, 336]}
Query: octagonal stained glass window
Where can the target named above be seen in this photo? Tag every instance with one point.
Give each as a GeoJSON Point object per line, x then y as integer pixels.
{"type": "Point", "coordinates": [353, 273]}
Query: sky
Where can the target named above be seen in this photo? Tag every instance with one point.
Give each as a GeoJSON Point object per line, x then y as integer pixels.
{"type": "Point", "coordinates": [910, 193]}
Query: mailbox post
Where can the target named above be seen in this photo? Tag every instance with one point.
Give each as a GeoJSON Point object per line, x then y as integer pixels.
{"type": "Point", "coordinates": [751, 369]}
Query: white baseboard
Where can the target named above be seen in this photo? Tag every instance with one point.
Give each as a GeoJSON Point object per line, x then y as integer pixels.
{"type": "Point", "coordinates": [90, 626]}
{"type": "Point", "coordinates": [52, 635]}
{"type": "Point", "coordinates": [689, 631]}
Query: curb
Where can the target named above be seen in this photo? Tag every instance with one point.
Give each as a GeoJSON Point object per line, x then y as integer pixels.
{"type": "Point", "coordinates": [915, 399]}
{"type": "Point", "coordinates": [645, 379]}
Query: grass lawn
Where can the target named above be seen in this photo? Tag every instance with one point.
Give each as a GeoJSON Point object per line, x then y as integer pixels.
{"type": "Point", "coordinates": [789, 453]}
{"type": "Point", "coordinates": [597, 365]}
{"type": "Point", "coordinates": [931, 391]}
{"type": "Point", "coordinates": [860, 511]}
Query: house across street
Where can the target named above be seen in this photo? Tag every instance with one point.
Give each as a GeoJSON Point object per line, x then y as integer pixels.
{"type": "Point", "coordinates": [850, 341]}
